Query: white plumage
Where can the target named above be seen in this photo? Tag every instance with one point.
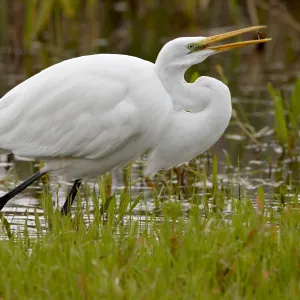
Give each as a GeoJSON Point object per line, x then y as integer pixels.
{"type": "Point", "coordinates": [87, 115]}
{"type": "Point", "coordinates": [190, 134]}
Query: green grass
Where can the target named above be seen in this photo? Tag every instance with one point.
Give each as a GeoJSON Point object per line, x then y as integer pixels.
{"type": "Point", "coordinates": [197, 254]}
{"type": "Point", "coordinates": [286, 125]}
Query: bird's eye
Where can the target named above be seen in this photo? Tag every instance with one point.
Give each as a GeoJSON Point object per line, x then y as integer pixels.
{"type": "Point", "coordinates": [191, 46]}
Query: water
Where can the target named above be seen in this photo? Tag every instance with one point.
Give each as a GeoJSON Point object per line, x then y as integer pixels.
{"type": "Point", "coordinates": [249, 166]}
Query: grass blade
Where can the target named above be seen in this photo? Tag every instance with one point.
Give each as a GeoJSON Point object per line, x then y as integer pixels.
{"type": "Point", "coordinates": [215, 171]}
{"type": "Point", "coordinates": [43, 16]}
{"type": "Point", "coordinates": [29, 27]}
{"type": "Point", "coordinates": [295, 104]}
{"type": "Point", "coordinates": [7, 227]}
{"type": "Point", "coordinates": [194, 77]}
{"type": "Point", "coordinates": [135, 202]}
{"type": "Point", "coordinates": [296, 97]}
{"type": "Point", "coordinates": [68, 8]}
{"type": "Point", "coordinates": [280, 121]}
{"type": "Point", "coordinates": [260, 200]}
{"type": "Point", "coordinates": [104, 207]}
{"type": "Point", "coordinates": [124, 201]}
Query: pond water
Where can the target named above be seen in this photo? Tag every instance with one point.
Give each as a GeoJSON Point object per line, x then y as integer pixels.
{"type": "Point", "coordinates": [250, 165]}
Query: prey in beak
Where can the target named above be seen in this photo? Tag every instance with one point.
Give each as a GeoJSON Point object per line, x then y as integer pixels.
{"type": "Point", "coordinates": [208, 42]}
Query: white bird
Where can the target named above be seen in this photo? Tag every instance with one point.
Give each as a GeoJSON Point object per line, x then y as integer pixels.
{"type": "Point", "coordinates": [87, 115]}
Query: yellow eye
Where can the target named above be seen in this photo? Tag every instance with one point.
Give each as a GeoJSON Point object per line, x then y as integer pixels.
{"type": "Point", "coordinates": [191, 46]}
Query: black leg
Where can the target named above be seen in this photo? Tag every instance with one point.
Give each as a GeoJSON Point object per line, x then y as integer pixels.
{"type": "Point", "coordinates": [70, 198]}
{"type": "Point", "coordinates": [4, 199]}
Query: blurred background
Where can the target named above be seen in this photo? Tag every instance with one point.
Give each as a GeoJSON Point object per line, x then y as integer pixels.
{"type": "Point", "coordinates": [35, 34]}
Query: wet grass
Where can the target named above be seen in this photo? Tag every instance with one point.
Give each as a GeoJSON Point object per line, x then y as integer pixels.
{"type": "Point", "coordinates": [196, 253]}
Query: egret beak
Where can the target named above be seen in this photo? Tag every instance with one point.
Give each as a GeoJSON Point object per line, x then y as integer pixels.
{"type": "Point", "coordinates": [206, 43]}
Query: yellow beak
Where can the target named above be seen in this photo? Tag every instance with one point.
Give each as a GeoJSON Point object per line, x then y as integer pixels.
{"type": "Point", "coordinates": [206, 44]}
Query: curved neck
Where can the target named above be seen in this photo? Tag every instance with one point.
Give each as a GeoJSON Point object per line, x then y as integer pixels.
{"type": "Point", "coordinates": [184, 95]}
{"type": "Point", "coordinates": [190, 134]}
{"type": "Point", "coordinates": [170, 74]}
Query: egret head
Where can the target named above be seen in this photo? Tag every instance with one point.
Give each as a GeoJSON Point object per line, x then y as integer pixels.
{"type": "Point", "coordinates": [188, 51]}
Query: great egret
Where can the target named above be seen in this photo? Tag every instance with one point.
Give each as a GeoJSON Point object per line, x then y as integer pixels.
{"type": "Point", "coordinates": [87, 115]}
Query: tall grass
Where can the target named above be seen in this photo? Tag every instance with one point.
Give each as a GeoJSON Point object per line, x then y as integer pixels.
{"type": "Point", "coordinates": [89, 23]}
{"type": "Point", "coordinates": [198, 254]}
{"type": "Point", "coordinates": [286, 118]}
{"type": "Point", "coordinates": [4, 22]}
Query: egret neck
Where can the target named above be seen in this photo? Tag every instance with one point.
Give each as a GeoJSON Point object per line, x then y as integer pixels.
{"type": "Point", "coordinates": [184, 95]}
{"type": "Point", "coordinates": [192, 133]}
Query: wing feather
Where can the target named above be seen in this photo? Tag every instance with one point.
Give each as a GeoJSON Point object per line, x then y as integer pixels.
{"type": "Point", "coordinates": [86, 116]}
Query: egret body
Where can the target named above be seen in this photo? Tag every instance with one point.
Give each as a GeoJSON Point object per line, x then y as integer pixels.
{"type": "Point", "coordinates": [87, 115]}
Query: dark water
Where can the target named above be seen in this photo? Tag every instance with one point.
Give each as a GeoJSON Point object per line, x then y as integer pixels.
{"type": "Point", "coordinates": [250, 165]}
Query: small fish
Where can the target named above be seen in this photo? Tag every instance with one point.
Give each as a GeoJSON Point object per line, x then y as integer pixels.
{"type": "Point", "coordinates": [258, 35]}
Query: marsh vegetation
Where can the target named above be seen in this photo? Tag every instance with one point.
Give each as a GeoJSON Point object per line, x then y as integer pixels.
{"type": "Point", "coordinates": [224, 226]}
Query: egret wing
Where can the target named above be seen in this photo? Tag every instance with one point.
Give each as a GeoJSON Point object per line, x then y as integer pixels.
{"type": "Point", "coordinates": [85, 116]}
